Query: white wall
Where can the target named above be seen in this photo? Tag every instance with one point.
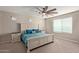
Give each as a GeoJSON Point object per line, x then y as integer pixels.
{"type": "Point", "coordinates": [6, 24]}
{"type": "Point", "coordinates": [9, 26]}
{"type": "Point", "coordinates": [75, 31]}
{"type": "Point", "coordinates": [0, 25]}
{"type": "Point", "coordinates": [48, 26]}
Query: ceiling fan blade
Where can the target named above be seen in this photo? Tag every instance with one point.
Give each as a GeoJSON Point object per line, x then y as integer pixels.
{"type": "Point", "coordinates": [51, 10]}
{"type": "Point", "coordinates": [46, 7]}
{"type": "Point", "coordinates": [39, 9]}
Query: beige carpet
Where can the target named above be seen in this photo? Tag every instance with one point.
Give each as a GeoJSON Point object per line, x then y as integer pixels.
{"type": "Point", "coordinates": [59, 46]}
{"type": "Point", "coordinates": [16, 47]}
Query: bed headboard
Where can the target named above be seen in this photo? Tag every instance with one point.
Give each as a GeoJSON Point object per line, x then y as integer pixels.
{"type": "Point", "coordinates": [25, 26]}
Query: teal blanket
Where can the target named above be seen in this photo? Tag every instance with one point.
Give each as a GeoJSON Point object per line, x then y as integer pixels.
{"type": "Point", "coordinates": [25, 37]}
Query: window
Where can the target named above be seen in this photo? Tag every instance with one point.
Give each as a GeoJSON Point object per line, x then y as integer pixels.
{"type": "Point", "coordinates": [63, 25]}
{"type": "Point", "coordinates": [57, 26]}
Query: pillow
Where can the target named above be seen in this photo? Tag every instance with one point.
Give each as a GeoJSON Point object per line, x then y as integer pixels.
{"type": "Point", "coordinates": [33, 31]}
{"type": "Point", "coordinates": [28, 31]}
{"type": "Point", "coordinates": [37, 30]}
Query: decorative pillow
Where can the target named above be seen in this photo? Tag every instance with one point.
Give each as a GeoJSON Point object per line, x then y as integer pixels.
{"type": "Point", "coordinates": [31, 31]}
{"type": "Point", "coordinates": [28, 31]}
{"type": "Point", "coordinates": [37, 30]}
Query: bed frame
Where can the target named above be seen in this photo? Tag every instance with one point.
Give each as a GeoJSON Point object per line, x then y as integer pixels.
{"type": "Point", "coordinates": [36, 42]}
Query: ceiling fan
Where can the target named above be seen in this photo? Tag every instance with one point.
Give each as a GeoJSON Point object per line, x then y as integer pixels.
{"type": "Point", "coordinates": [45, 12]}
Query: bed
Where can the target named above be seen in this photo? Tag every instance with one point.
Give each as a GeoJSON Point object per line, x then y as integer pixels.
{"type": "Point", "coordinates": [34, 38]}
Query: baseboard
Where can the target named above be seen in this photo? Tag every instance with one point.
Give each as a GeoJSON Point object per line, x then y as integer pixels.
{"type": "Point", "coordinates": [67, 39]}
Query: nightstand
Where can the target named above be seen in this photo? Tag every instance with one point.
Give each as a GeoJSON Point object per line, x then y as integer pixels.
{"type": "Point", "coordinates": [16, 37]}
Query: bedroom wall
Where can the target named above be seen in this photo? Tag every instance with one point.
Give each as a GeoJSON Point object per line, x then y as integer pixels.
{"type": "Point", "coordinates": [0, 25]}
{"type": "Point", "coordinates": [9, 26]}
{"type": "Point", "coordinates": [6, 24]}
{"type": "Point", "coordinates": [38, 22]}
{"type": "Point", "coordinates": [75, 28]}
{"type": "Point", "coordinates": [34, 24]}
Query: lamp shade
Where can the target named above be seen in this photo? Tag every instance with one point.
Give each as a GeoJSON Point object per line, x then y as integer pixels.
{"type": "Point", "coordinates": [13, 18]}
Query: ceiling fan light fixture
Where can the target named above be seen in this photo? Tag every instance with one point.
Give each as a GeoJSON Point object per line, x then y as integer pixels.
{"type": "Point", "coordinates": [45, 12]}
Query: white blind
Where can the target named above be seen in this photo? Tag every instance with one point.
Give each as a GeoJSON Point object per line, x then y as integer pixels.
{"type": "Point", "coordinates": [57, 26]}
{"type": "Point", "coordinates": [63, 25]}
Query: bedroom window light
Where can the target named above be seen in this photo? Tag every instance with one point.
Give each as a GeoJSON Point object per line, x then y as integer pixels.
{"type": "Point", "coordinates": [62, 25]}
{"type": "Point", "coordinates": [57, 26]}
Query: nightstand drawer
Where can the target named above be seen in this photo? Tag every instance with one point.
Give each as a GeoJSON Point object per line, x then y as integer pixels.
{"type": "Point", "coordinates": [15, 37]}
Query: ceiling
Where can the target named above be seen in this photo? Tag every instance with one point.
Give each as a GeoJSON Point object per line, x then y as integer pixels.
{"type": "Point", "coordinates": [30, 10]}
